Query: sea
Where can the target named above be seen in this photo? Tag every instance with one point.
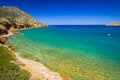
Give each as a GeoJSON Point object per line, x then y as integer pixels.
{"type": "Point", "coordinates": [76, 52]}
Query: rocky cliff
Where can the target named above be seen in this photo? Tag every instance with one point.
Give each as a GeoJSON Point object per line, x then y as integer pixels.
{"type": "Point", "coordinates": [17, 16]}
{"type": "Point", "coordinates": [5, 26]}
{"type": "Point", "coordinates": [13, 18]}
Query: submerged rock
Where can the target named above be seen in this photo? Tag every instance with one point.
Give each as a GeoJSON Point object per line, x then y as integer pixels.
{"type": "Point", "coordinates": [17, 33]}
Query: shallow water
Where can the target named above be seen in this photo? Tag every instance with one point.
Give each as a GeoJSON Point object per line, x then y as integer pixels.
{"type": "Point", "coordinates": [78, 52]}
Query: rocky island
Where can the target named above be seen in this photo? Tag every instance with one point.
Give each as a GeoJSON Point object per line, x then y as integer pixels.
{"type": "Point", "coordinates": [115, 23]}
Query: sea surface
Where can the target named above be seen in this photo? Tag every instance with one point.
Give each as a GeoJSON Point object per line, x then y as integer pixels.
{"type": "Point", "coordinates": [74, 51]}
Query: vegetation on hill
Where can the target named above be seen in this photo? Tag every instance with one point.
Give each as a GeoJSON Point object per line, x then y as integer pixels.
{"type": "Point", "coordinates": [8, 70]}
{"type": "Point", "coordinates": [17, 16]}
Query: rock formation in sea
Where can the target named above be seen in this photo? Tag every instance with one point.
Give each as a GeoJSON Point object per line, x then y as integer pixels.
{"type": "Point", "coordinates": [115, 23]}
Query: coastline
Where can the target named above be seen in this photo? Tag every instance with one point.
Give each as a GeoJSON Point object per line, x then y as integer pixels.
{"type": "Point", "coordinates": [27, 28]}
{"type": "Point", "coordinates": [31, 44]}
{"type": "Point", "coordinates": [37, 70]}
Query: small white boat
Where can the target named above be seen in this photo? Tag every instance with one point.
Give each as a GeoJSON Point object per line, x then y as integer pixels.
{"type": "Point", "coordinates": [108, 34]}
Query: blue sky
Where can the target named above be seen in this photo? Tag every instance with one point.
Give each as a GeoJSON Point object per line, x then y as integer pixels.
{"type": "Point", "coordinates": [80, 12]}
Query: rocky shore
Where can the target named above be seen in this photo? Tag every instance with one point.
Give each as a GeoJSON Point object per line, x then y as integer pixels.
{"type": "Point", "coordinates": [6, 27]}
{"type": "Point", "coordinates": [11, 18]}
{"type": "Point", "coordinates": [37, 70]}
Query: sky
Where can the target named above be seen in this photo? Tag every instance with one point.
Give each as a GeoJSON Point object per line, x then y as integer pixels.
{"type": "Point", "coordinates": [69, 12]}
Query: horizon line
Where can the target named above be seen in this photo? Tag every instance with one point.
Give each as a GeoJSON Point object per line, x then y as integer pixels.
{"type": "Point", "coordinates": [77, 24]}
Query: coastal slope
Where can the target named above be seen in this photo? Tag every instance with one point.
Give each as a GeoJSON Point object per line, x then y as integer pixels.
{"type": "Point", "coordinates": [19, 17]}
{"type": "Point", "coordinates": [12, 18]}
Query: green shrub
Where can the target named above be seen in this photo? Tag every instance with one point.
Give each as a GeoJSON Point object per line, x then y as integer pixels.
{"type": "Point", "coordinates": [8, 70]}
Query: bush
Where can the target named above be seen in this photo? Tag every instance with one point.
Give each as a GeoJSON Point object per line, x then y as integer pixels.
{"type": "Point", "coordinates": [8, 70]}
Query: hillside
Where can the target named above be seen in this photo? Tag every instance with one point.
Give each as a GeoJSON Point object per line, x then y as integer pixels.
{"type": "Point", "coordinates": [13, 18]}
{"type": "Point", "coordinates": [17, 16]}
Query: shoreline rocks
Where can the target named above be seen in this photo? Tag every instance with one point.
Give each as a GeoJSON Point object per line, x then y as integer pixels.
{"type": "Point", "coordinates": [10, 47]}
{"type": "Point", "coordinates": [3, 38]}
{"type": "Point", "coordinates": [6, 27]}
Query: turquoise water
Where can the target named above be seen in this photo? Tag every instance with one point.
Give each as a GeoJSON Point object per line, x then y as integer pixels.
{"type": "Point", "coordinates": [76, 52]}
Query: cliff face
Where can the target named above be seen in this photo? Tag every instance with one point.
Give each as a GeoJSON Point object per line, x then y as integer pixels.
{"type": "Point", "coordinates": [113, 24]}
{"type": "Point", "coordinates": [4, 29]}
{"type": "Point", "coordinates": [17, 16]}
{"type": "Point", "coordinates": [4, 26]}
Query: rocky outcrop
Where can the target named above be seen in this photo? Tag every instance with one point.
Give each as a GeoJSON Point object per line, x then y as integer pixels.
{"type": "Point", "coordinates": [3, 30]}
{"type": "Point", "coordinates": [5, 23]}
{"type": "Point", "coordinates": [113, 24]}
{"type": "Point", "coordinates": [4, 27]}
{"type": "Point", "coordinates": [19, 17]}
